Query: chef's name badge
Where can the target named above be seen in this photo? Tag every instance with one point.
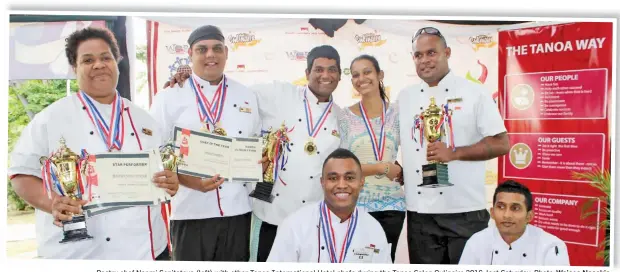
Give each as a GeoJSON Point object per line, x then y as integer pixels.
{"type": "Point", "coordinates": [363, 255]}
{"type": "Point", "coordinates": [452, 100]}
{"type": "Point", "coordinates": [245, 109]}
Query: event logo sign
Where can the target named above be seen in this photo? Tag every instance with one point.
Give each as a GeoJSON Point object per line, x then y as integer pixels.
{"type": "Point", "coordinates": [178, 62]}
{"type": "Point", "coordinates": [297, 55]}
{"type": "Point", "coordinates": [178, 49]}
{"type": "Point", "coordinates": [247, 39]}
{"type": "Point", "coordinates": [371, 39]}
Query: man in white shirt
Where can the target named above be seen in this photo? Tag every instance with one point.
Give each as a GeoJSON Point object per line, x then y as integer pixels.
{"type": "Point", "coordinates": [333, 230]}
{"type": "Point", "coordinates": [512, 240]}
{"type": "Point", "coordinates": [210, 219]}
{"type": "Point", "coordinates": [441, 219]}
{"type": "Point", "coordinates": [131, 233]}
{"type": "Point", "coordinates": [311, 116]}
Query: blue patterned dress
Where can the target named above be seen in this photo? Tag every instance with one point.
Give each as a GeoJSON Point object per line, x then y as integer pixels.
{"type": "Point", "coordinates": [378, 194]}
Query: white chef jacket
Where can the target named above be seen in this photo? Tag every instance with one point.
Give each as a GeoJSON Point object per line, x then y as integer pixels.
{"type": "Point", "coordinates": [300, 179]}
{"type": "Point", "coordinates": [136, 233]}
{"type": "Point", "coordinates": [475, 117]}
{"type": "Point", "coordinates": [177, 106]}
{"type": "Point", "coordinates": [535, 247]}
{"type": "Point", "coordinates": [300, 239]}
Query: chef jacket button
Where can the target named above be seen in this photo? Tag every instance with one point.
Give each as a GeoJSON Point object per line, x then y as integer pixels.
{"type": "Point", "coordinates": [417, 171]}
{"type": "Point", "coordinates": [126, 108]}
{"type": "Point", "coordinates": [421, 90]}
{"type": "Point", "coordinates": [277, 194]}
{"type": "Point", "coordinates": [202, 86]}
{"type": "Point", "coordinates": [226, 85]}
{"type": "Point", "coordinates": [283, 169]}
{"type": "Point", "coordinates": [419, 193]}
{"type": "Point", "coordinates": [324, 128]}
{"type": "Point", "coordinates": [132, 134]}
{"type": "Point", "coordinates": [235, 105]}
{"type": "Point", "coordinates": [421, 108]}
{"type": "Point", "coordinates": [299, 119]}
{"type": "Point", "coordinates": [417, 149]}
{"type": "Point", "coordinates": [524, 255]}
{"type": "Point", "coordinates": [91, 133]}
{"type": "Point", "coordinates": [240, 132]}
{"type": "Point", "coordinates": [107, 239]}
{"type": "Point", "coordinates": [446, 89]}
{"type": "Point", "coordinates": [220, 187]}
{"type": "Point", "coordinates": [441, 193]}
{"type": "Point", "coordinates": [310, 177]}
{"type": "Point", "coordinates": [318, 152]}
{"type": "Point", "coordinates": [322, 248]}
{"type": "Point", "coordinates": [244, 185]}
{"type": "Point", "coordinates": [303, 201]}
{"type": "Point", "coordinates": [496, 252]}
{"type": "Point", "coordinates": [83, 107]}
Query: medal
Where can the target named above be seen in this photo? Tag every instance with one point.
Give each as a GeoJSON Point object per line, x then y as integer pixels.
{"type": "Point", "coordinates": [112, 133]}
{"type": "Point", "coordinates": [378, 146]}
{"type": "Point", "coordinates": [310, 147]}
{"type": "Point", "coordinates": [314, 128]}
{"type": "Point", "coordinates": [330, 237]}
{"type": "Point", "coordinates": [210, 113]}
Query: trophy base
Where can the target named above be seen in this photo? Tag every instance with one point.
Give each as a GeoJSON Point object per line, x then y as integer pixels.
{"type": "Point", "coordinates": [75, 230]}
{"type": "Point", "coordinates": [263, 192]}
{"type": "Point", "coordinates": [435, 175]}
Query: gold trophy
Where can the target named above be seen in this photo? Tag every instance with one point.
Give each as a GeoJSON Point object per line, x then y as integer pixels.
{"type": "Point", "coordinates": [65, 180]}
{"type": "Point", "coordinates": [168, 158]}
{"type": "Point", "coordinates": [274, 144]}
{"type": "Point", "coordinates": [434, 174]}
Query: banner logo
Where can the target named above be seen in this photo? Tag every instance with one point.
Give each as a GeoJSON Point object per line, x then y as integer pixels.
{"type": "Point", "coordinates": [178, 63]}
{"type": "Point", "coordinates": [177, 49]}
{"type": "Point", "coordinates": [372, 39]}
{"type": "Point", "coordinates": [304, 30]}
{"type": "Point", "coordinates": [297, 55]}
{"type": "Point", "coordinates": [482, 41]}
{"type": "Point", "coordinates": [243, 40]}
{"type": "Point", "coordinates": [520, 156]}
{"type": "Point", "coordinates": [522, 96]}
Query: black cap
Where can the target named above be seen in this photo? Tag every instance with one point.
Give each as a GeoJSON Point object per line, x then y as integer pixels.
{"type": "Point", "coordinates": [207, 32]}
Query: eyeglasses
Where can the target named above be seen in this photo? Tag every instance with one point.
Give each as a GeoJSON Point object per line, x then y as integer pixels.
{"type": "Point", "coordinates": [427, 30]}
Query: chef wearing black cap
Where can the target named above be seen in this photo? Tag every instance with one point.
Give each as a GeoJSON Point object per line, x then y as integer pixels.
{"type": "Point", "coordinates": [210, 219]}
{"type": "Point", "coordinates": [512, 240]}
{"type": "Point", "coordinates": [311, 116]}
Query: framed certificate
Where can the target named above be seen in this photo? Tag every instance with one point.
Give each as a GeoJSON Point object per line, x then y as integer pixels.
{"type": "Point", "coordinates": [123, 179]}
{"type": "Point", "coordinates": [205, 155]}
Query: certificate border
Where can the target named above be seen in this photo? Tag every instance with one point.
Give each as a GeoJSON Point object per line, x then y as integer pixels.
{"type": "Point", "coordinates": [252, 180]}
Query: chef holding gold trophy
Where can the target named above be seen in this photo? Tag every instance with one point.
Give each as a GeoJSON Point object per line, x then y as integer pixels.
{"type": "Point", "coordinates": [93, 152]}
{"type": "Point", "coordinates": [434, 124]}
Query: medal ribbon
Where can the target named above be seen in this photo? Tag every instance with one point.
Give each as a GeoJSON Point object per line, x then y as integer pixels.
{"type": "Point", "coordinates": [448, 129]}
{"type": "Point", "coordinates": [378, 147]}
{"type": "Point", "coordinates": [313, 128]}
{"type": "Point", "coordinates": [330, 237]}
{"type": "Point", "coordinates": [210, 112]}
{"type": "Point", "coordinates": [114, 134]}
{"type": "Point", "coordinates": [418, 125]}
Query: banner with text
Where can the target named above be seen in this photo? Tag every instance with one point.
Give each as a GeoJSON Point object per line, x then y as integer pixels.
{"type": "Point", "coordinates": [555, 96]}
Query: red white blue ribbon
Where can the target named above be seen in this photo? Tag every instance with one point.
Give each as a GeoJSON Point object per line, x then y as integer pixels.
{"type": "Point", "coordinates": [418, 125]}
{"type": "Point", "coordinates": [313, 128]}
{"type": "Point", "coordinates": [447, 117]}
{"type": "Point", "coordinates": [378, 147]}
{"type": "Point", "coordinates": [210, 112]}
{"type": "Point", "coordinates": [113, 134]}
{"type": "Point", "coordinates": [49, 172]}
{"type": "Point", "coordinates": [330, 237]}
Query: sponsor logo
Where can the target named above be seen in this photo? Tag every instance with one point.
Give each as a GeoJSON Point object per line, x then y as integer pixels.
{"type": "Point", "coordinates": [372, 39]}
{"type": "Point", "coordinates": [304, 30]}
{"type": "Point", "coordinates": [480, 41]}
{"type": "Point", "coordinates": [174, 67]}
{"type": "Point", "coordinates": [297, 55]}
{"type": "Point", "coordinates": [243, 68]}
{"type": "Point", "coordinates": [178, 49]}
{"type": "Point", "coordinates": [346, 71]}
{"type": "Point", "coordinates": [243, 40]}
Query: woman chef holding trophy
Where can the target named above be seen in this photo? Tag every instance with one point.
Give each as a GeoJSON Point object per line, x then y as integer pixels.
{"type": "Point", "coordinates": [95, 120]}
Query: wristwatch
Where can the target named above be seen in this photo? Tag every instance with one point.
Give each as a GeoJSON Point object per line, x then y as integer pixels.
{"type": "Point", "coordinates": [385, 172]}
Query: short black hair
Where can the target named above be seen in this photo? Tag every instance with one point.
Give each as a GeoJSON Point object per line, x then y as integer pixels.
{"type": "Point", "coordinates": [342, 153]}
{"type": "Point", "coordinates": [511, 186]}
{"type": "Point", "coordinates": [76, 38]}
{"type": "Point", "coordinates": [323, 51]}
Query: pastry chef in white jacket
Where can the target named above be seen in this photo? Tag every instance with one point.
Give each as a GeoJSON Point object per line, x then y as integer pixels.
{"type": "Point", "coordinates": [333, 230]}
{"type": "Point", "coordinates": [512, 240]}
